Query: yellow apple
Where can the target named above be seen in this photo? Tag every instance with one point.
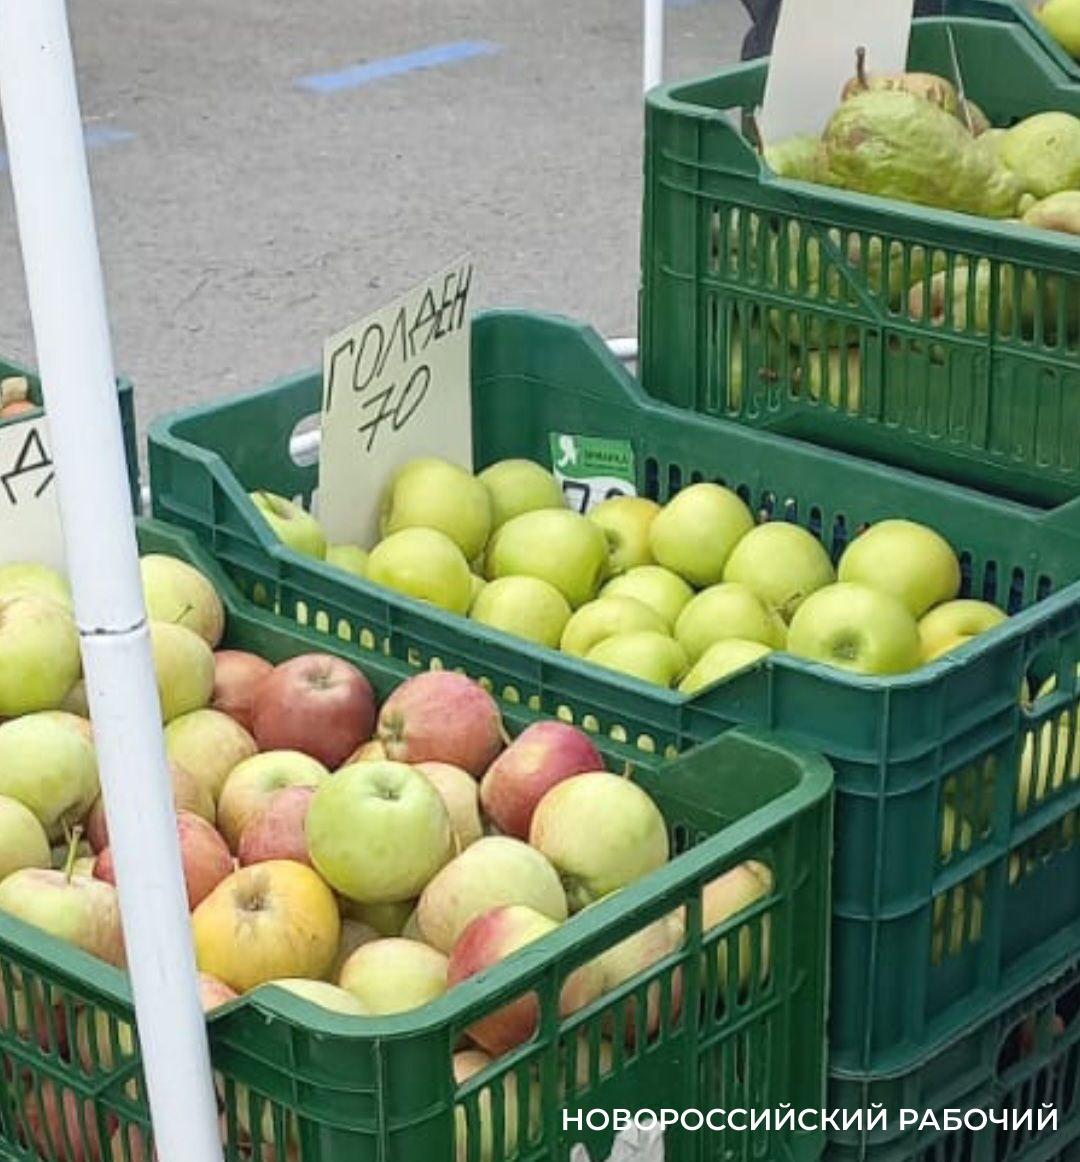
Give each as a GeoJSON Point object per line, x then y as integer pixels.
{"type": "Point", "coordinates": [39, 654]}
{"type": "Point", "coordinates": [524, 606]}
{"type": "Point", "coordinates": [727, 896]}
{"type": "Point", "coordinates": [659, 588]}
{"type": "Point", "coordinates": [696, 531]}
{"type": "Point", "coordinates": [184, 665]}
{"type": "Point", "coordinates": [321, 993]}
{"type": "Point", "coordinates": [394, 975]}
{"type": "Point", "coordinates": [208, 744]}
{"type": "Point", "coordinates": [782, 563]}
{"type": "Point", "coordinates": [351, 558]}
{"type": "Point", "coordinates": [425, 564]}
{"type": "Point", "coordinates": [23, 842]}
{"type": "Point", "coordinates": [645, 655]}
{"type": "Point", "coordinates": [720, 660]}
{"type": "Point", "coordinates": [558, 546]}
{"type": "Point", "coordinates": [955, 622]}
{"type": "Point", "coordinates": [907, 560]}
{"type": "Point", "coordinates": [291, 524]}
{"type": "Point", "coordinates": [432, 493]}
{"type": "Point", "coordinates": [22, 577]}
{"type": "Point", "coordinates": [626, 521]}
{"type": "Point", "coordinates": [1061, 18]}
{"type": "Point", "coordinates": [519, 486]}
{"type": "Point", "coordinates": [728, 610]}
{"type": "Point", "coordinates": [605, 617]}
{"type": "Point", "coordinates": [177, 592]}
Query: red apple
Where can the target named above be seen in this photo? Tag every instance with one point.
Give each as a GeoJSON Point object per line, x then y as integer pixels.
{"type": "Point", "coordinates": [237, 676]}
{"type": "Point", "coordinates": [214, 992]}
{"type": "Point", "coordinates": [492, 937]}
{"type": "Point", "coordinates": [57, 1128]}
{"type": "Point", "coordinates": [543, 754]}
{"type": "Point", "coordinates": [204, 856]}
{"type": "Point", "coordinates": [277, 831]}
{"type": "Point", "coordinates": [317, 704]}
{"type": "Point", "coordinates": [636, 955]}
{"type": "Point", "coordinates": [442, 717]}
{"type": "Point", "coordinates": [188, 795]}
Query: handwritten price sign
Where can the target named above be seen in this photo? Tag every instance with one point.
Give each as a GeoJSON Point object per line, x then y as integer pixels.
{"type": "Point", "coordinates": [395, 386]}
{"type": "Point", "coordinates": [30, 528]}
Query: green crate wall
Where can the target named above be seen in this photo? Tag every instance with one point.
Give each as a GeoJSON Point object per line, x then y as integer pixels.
{"type": "Point", "coordinates": [299, 1084]}
{"type": "Point", "coordinates": [1021, 10]}
{"type": "Point", "coordinates": [749, 280]}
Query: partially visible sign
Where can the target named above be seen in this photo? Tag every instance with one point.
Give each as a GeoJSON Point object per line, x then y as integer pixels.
{"type": "Point", "coordinates": [395, 386]}
{"type": "Point", "coordinates": [30, 528]}
{"type": "Point", "coordinates": [813, 57]}
{"type": "Point", "coordinates": [591, 469]}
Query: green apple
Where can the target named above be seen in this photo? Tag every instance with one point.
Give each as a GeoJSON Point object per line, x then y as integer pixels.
{"type": "Point", "coordinates": [519, 486]}
{"type": "Point", "coordinates": [47, 763]}
{"type": "Point", "coordinates": [727, 610]}
{"type": "Point", "coordinates": [720, 660]}
{"type": "Point", "coordinates": [626, 521]}
{"type": "Point", "coordinates": [177, 592]}
{"type": "Point", "coordinates": [558, 546]}
{"type": "Point", "coordinates": [39, 654]}
{"type": "Point", "coordinates": [351, 558]}
{"type": "Point", "coordinates": [184, 665]}
{"type": "Point", "coordinates": [646, 655]}
{"type": "Point", "coordinates": [950, 625]}
{"type": "Point", "coordinates": [782, 563]}
{"type": "Point", "coordinates": [1061, 18]}
{"type": "Point", "coordinates": [431, 493]}
{"type": "Point", "coordinates": [654, 586]}
{"type": "Point", "coordinates": [378, 832]}
{"type": "Point", "coordinates": [694, 533]}
{"type": "Point", "coordinates": [28, 577]}
{"type": "Point", "coordinates": [605, 617]}
{"type": "Point", "coordinates": [425, 564]}
{"type": "Point", "coordinates": [23, 842]}
{"type": "Point", "coordinates": [907, 560]}
{"type": "Point", "coordinates": [854, 627]}
{"type": "Point", "coordinates": [383, 919]}
{"type": "Point", "coordinates": [525, 606]}
{"type": "Point", "coordinates": [291, 524]}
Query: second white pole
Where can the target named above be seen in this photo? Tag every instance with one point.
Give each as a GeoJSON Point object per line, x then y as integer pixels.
{"type": "Point", "coordinates": [653, 45]}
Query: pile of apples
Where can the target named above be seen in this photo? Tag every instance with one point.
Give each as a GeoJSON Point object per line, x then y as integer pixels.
{"type": "Point", "coordinates": [680, 596]}
{"type": "Point", "coordinates": [367, 858]}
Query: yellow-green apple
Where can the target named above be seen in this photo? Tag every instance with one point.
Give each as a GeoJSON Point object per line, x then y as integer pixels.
{"type": "Point", "coordinates": [519, 486]}
{"type": "Point", "coordinates": [659, 588]}
{"type": "Point", "coordinates": [947, 626]}
{"type": "Point", "coordinates": [76, 909]}
{"type": "Point", "coordinates": [626, 521]}
{"type": "Point", "coordinates": [720, 660]}
{"type": "Point", "coordinates": [632, 957]}
{"type": "Point", "coordinates": [600, 832]}
{"type": "Point", "coordinates": [253, 783]}
{"type": "Point", "coordinates": [315, 703]}
{"type": "Point", "coordinates": [490, 938]}
{"type": "Point", "coordinates": [907, 560]}
{"type": "Point", "coordinates": [184, 665]}
{"type": "Point", "coordinates": [39, 654]}
{"type": "Point", "coordinates": [208, 744]}
{"type": "Point", "coordinates": [23, 842]}
{"type": "Point", "coordinates": [425, 564]}
{"type": "Point", "coordinates": [22, 577]}
{"type": "Point", "coordinates": [351, 558]}
{"type": "Point", "coordinates": [461, 798]}
{"type": "Point", "coordinates": [1061, 18]}
{"type": "Point", "coordinates": [494, 871]}
{"type": "Point", "coordinates": [557, 545]}
{"type": "Point", "coordinates": [176, 591]}
{"type": "Point", "coordinates": [474, 1141]}
{"type": "Point", "coordinates": [276, 830]}
{"type": "Point", "coordinates": [726, 896]}
{"type": "Point", "coordinates": [47, 763]}
{"type": "Point", "coordinates": [605, 617]}
{"type": "Point", "coordinates": [385, 919]}
{"type": "Point", "coordinates": [857, 628]}
{"type": "Point", "coordinates": [204, 858]}
{"type": "Point", "coordinates": [431, 493]}
{"type": "Point", "coordinates": [393, 975]}
{"type": "Point", "coordinates": [291, 524]}
{"type": "Point", "coordinates": [378, 832]}
{"type": "Point", "coordinates": [188, 795]}
{"type": "Point", "coordinates": [525, 606]}
{"type": "Point", "coordinates": [646, 655]}
{"type": "Point", "coordinates": [728, 610]}
{"type": "Point", "coordinates": [783, 564]}
{"type": "Point", "coordinates": [543, 754]}
{"type": "Point", "coordinates": [321, 993]}
{"type": "Point", "coordinates": [267, 921]}
{"type": "Point", "coordinates": [237, 676]}
{"type": "Point", "coordinates": [697, 529]}
{"type": "Point", "coordinates": [441, 716]}
{"type": "Point", "coordinates": [372, 751]}
{"type": "Point", "coordinates": [354, 933]}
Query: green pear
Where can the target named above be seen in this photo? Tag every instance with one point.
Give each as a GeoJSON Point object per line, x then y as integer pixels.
{"type": "Point", "coordinates": [432, 493]}
{"type": "Point", "coordinates": [646, 655]}
{"type": "Point", "coordinates": [351, 558]}
{"type": "Point", "coordinates": [727, 610]}
{"type": "Point", "coordinates": [653, 585]}
{"type": "Point", "coordinates": [1043, 151]}
{"type": "Point", "coordinates": [720, 660]}
{"type": "Point", "coordinates": [519, 486]}
{"type": "Point", "coordinates": [696, 530]}
{"type": "Point", "coordinates": [783, 564]}
{"type": "Point", "coordinates": [928, 86]}
{"type": "Point", "coordinates": [605, 617]}
{"type": "Point", "coordinates": [798, 158]}
{"type": "Point", "coordinates": [525, 606]}
{"type": "Point", "coordinates": [558, 546]}
{"type": "Point", "coordinates": [1061, 18]}
{"type": "Point", "coordinates": [626, 521]}
{"type": "Point", "coordinates": [425, 564]}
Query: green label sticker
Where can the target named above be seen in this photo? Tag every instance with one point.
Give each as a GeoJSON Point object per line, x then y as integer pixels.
{"type": "Point", "coordinates": [592, 469]}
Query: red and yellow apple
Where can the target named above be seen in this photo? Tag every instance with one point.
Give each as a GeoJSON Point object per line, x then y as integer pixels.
{"type": "Point", "coordinates": [393, 975]}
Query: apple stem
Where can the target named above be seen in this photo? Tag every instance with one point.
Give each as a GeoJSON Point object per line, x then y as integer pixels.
{"type": "Point", "coordinates": [628, 770]}
{"type": "Point", "coordinates": [73, 837]}
{"type": "Point", "coordinates": [860, 66]}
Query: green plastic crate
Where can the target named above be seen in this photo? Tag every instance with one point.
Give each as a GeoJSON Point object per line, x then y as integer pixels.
{"type": "Point", "coordinates": [903, 748]}
{"type": "Point", "coordinates": [127, 418]}
{"type": "Point", "coordinates": [342, 1089]}
{"type": "Point", "coordinates": [1026, 1056]}
{"type": "Point", "coordinates": [1021, 10]}
{"type": "Point", "coordinates": [749, 282]}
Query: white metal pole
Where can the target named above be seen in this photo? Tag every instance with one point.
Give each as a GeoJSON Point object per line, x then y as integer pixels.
{"type": "Point", "coordinates": [653, 44]}
{"type": "Point", "coordinates": [67, 304]}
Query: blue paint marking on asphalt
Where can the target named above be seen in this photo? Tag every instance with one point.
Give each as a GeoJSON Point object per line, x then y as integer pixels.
{"type": "Point", "coordinates": [437, 55]}
{"type": "Point", "coordinates": [95, 136]}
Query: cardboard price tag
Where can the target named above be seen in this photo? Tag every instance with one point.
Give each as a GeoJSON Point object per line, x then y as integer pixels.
{"type": "Point", "coordinates": [395, 386]}
{"type": "Point", "coordinates": [813, 56]}
{"type": "Point", "coordinates": [30, 528]}
{"type": "Point", "coordinates": [591, 469]}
